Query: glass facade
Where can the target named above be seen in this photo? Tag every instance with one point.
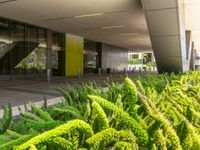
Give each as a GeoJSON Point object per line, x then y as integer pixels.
{"type": "Point", "coordinates": [23, 49]}
{"type": "Point", "coordinates": [91, 57]}
{"type": "Point", "coordinates": [58, 54]}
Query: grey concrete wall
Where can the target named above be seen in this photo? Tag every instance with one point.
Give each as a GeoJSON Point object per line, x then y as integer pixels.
{"type": "Point", "coordinates": [166, 24]}
{"type": "Point", "coordinates": [114, 57]}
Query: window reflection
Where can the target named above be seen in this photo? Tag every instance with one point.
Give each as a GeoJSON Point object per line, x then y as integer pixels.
{"type": "Point", "coordinates": [35, 62]}
{"type": "Point", "coordinates": [58, 54]}
{"type": "Point", "coordinates": [4, 46]}
{"type": "Point", "coordinates": [22, 48]}
{"type": "Point", "coordinates": [90, 56]}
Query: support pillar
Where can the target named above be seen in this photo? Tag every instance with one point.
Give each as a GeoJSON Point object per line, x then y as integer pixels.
{"type": "Point", "coordinates": [166, 24]}
{"type": "Point", "coordinates": [49, 55]}
{"type": "Point", "coordinates": [192, 59]}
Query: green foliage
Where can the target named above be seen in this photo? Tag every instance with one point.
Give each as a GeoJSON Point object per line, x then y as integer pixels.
{"type": "Point", "coordinates": [41, 126]}
{"type": "Point", "coordinates": [87, 112]}
{"type": "Point", "coordinates": [41, 113]}
{"type": "Point", "coordinates": [59, 143]}
{"type": "Point", "coordinates": [113, 89]}
{"type": "Point", "coordinates": [13, 134]}
{"type": "Point", "coordinates": [124, 118]}
{"type": "Point", "coordinates": [32, 147]}
{"type": "Point", "coordinates": [124, 146]}
{"type": "Point", "coordinates": [7, 118]}
{"type": "Point", "coordinates": [19, 126]}
{"type": "Point", "coordinates": [109, 137]}
{"type": "Point", "coordinates": [159, 140]}
{"type": "Point", "coordinates": [156, 112]}
{"type": "Point", "coordinates": [135, 61]}
{"type": "Point", "coordinates": [4, 139]}
{"type": "Point", "coordinates": [13, 143]}
{"type": "Point", "coordinates": [68, 128]}
{"type": "Point", "coordinates": [130, 96]}
{"type": "Point", "coordinates": [29, 115]}
{"type": "Point", "coordinates": [99, 119]}
{"type": "Point", "coordinates": [140, 87]}
{"type": "Point", "coordinates": [68, 110]}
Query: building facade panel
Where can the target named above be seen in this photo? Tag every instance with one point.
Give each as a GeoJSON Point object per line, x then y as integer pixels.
{"type": "Point", "coordinates": [114, 58]}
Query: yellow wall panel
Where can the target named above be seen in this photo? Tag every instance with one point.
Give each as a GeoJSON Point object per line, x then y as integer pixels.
{"type": "Point", "coordinates": [73, 55]}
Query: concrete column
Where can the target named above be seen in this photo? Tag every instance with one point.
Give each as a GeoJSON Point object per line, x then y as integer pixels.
{"type": "Point", "coordinates": [166, 24]}
{"type": "Point", "coordinates": [189, 49]}
{"type": "Point", "coordinates": [49, 55]}
{"type": "Point", "coordinates": [192, 57]}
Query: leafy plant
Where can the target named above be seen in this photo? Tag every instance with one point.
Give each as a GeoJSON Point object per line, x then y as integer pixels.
{"type": "Point", "coordinates": [7, 118]}
{"type": "Point", "coordinates": [156, 112]}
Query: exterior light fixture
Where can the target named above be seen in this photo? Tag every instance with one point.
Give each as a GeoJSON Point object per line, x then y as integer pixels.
{"type": "Point", "coordinates": [88, 15]}
{"type": "Point", "coordinates": [129, 34]}
{"type": "Point", "coordinates": [111, 27]}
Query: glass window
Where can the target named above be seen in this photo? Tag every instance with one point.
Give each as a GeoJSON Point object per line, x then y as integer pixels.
{"type": "Point", "coordinates": [58, 53]}
{"type": "Point", "coordinates": [90, 56]}
{"type": "Point", "coordinates": [23, 49]}
{"type": "Point", "coordinates": [26, 55]}
{"type": "Point", "coordinates": [16, 51]}
{"type": "Point", "coordinates": [17, 33]}
{"type": "Point", "coordinates": [34, 60]}
{"type": "Point", "coordinates": [4, 46]}
{"type": "Point", "coordinates": [42, 37]}
{"type": "Point", "coordinates": [55, 60]}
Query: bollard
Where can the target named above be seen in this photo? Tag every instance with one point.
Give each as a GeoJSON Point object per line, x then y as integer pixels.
{"type": "Point", "coordinates": [145, 69]}
{"type": "Point", "coordinates": [113, 71]}
{"type": "Point", "coordinates": [140, 70]}
{"type": "Point", "coordinates": [48, 75]}
{"type": "Point", "coordinates": [79, 73]}
{"type": "Point", "coordinates": [133, 70]}
{"type": "Point", "coordinates": [125, 72]}
{"type": "Point", "coordinates": [99, 71]}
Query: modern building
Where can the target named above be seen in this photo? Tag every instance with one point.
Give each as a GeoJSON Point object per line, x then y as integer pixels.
{"type": "Point", "coordinates": [67, 38]}
{"type": "Point", "coordinates": [196, 58]}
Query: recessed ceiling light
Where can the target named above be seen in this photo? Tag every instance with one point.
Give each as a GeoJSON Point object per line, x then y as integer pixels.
{"type": "Point", "coordinates": [129, 34]}
{"type": "Point", "coordinates": [88, 15]}
{"type": "Point", "coordinates": [110, 27]}
{"type": "Point", "coordinates": [6, 1]}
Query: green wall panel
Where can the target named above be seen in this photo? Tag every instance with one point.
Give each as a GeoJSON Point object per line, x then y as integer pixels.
{"type": "Point", "coordinates": [73, 55]}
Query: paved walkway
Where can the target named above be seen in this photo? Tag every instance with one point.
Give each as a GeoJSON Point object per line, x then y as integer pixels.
{"type": "Point", "coordinates": [18, 92]}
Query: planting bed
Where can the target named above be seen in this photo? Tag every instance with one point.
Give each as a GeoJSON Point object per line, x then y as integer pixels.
{"type": "Point", "coordinates": [156, 112]}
